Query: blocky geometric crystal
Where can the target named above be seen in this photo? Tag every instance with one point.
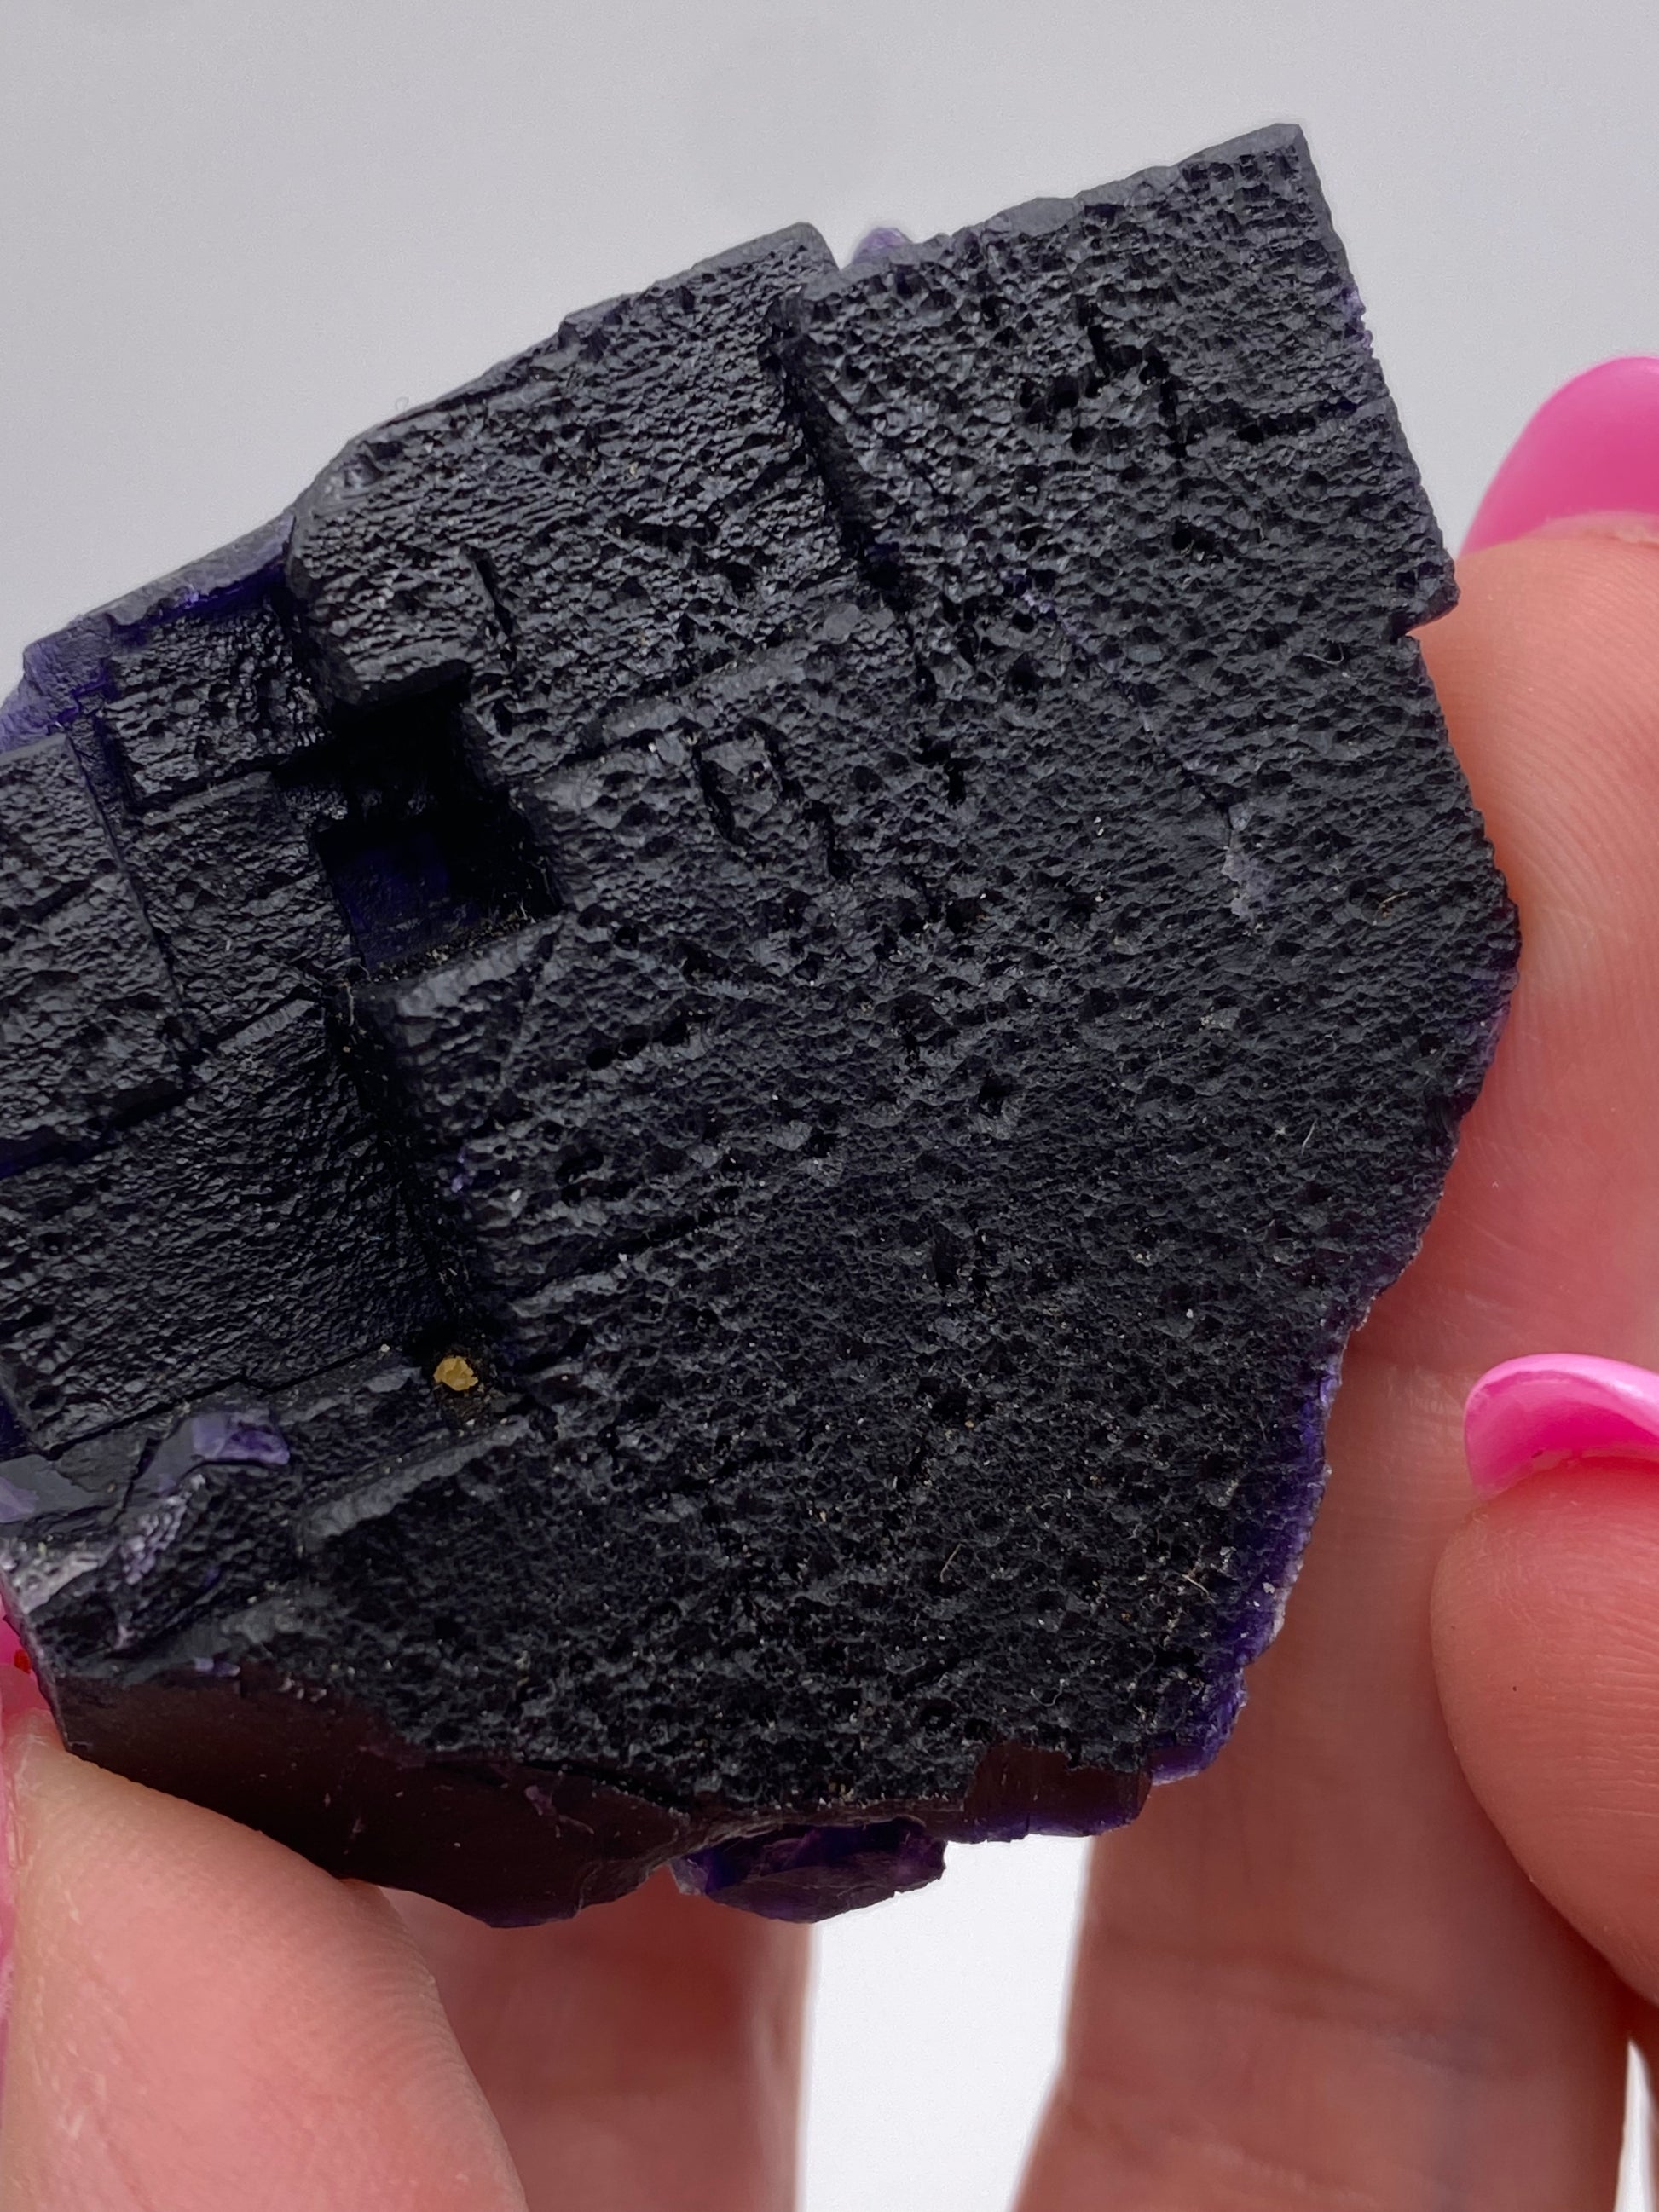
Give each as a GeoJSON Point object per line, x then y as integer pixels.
{"type": "Point", "coordinates": [847, 884]}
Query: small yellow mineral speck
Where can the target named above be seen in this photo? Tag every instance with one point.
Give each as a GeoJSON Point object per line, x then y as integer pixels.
{"type": "Point", "coordinates": [456, 1373]}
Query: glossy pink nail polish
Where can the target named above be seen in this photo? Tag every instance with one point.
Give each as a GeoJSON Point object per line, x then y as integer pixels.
{"type": "Point", "coordinates": [20, 1692]}
{"type": "Point", "coordinates": [1589, 460]}
{"type": "Point", "coordinates": [1533, 1413]}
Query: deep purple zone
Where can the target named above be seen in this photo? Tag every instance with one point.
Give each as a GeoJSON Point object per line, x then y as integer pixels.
{"type": "Point", "coordinates": [810, 1874]}
{"type": "Point", "coordinates": [65, 675]}
{"type": "Point", "coordinates": [876, 245]}
{"type": "Point", "coordinates": [226, 1438]}
{"type": "Point", "coordinates": [1257, 1633]}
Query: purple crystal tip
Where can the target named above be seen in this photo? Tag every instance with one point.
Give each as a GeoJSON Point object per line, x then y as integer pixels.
{"type": "Point", "coordinates": [876, 245]}
{"type": "Point", "coordinates": [224, 1438]}
{"type": "Point", "coordinates": [218, 1436]}
{"type": "Point", "coordinates": [16, 1504]}
{"type": "Point", "coordinates": [811, 1874]}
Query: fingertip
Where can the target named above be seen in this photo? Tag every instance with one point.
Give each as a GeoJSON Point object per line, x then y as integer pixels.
{"type": "Point", "coordinates": [203, 2019]}
{"type": "Point", "coordinates": [1546, 1640]}
{"type": "Point", "coordinates": [28, 1739]}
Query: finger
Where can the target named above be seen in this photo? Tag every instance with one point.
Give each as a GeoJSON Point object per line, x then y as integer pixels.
{"type": "Point", "coordinates": [1547, 1646]}
{"type": "Point", "coordinates": [201, 2020]}
{"type": "Point", "coordinates": [1314, 1975]}
{"type": "Point", "coordinates": [1546, 1649]}
{"type": "Point", "coordinates": [642, 2058]}
{"type": "Point", "coordinates": [20, 1694]}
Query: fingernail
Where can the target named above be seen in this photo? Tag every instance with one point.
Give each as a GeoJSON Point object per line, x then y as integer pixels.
{"type": "Point", "coordinates": [20, 1692]}
{"type": "Point", "coordinates": [1534, 1413]}
{"type": "Point", "coordinates": [1588, 462]}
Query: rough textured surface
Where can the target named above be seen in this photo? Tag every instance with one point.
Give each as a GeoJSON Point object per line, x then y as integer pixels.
{"type": "Point", "coordinates": [87, 1019]}
{"type": "Point", "coordinates": [848, 885]}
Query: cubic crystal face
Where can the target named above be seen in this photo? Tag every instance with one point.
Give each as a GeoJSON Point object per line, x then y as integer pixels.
{"type": "Point", "coordinates": [848, 886]}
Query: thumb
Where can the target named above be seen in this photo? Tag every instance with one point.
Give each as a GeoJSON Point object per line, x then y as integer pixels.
{"type": "Point", "coordinates": [1546, 1641]}
{"type": "Point", "coordinates": [200, 2020]}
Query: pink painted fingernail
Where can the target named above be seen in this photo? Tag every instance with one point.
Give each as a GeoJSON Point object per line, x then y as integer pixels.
{"type": "Point", "coordinates": [20, 1692]}
{"type": "Point", "coordinates": [1534, 1413]}
{"type": "Point", "coordinates": [1587, 463]}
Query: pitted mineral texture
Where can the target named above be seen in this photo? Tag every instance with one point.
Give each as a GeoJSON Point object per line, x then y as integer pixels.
{"type": "Point", "coordinates": [845, 887]}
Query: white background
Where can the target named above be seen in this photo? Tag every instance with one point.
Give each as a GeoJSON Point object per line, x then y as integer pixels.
{"type": "Point", "coordinates": [235, 232]}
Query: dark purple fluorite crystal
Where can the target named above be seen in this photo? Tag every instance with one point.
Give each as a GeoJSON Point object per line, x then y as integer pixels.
{"type": "Point", "coordinates": [876, 244]}
{"type": "Point", "coordinates": [701, 1076]}
{"type": "Point", "coordinates": [224, 1436]}
{"type": "Point", "coordinates": [808, 1873]}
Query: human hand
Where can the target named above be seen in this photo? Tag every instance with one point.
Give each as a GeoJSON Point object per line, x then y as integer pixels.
{"type": "Point", "coordinates": [201, 2022]}
{"type": "Point", "coordinates": [1316, 1976]}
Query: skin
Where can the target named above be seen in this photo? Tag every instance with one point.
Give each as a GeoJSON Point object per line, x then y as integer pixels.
{"type": "Point", "coordinates": [1384, 1957]}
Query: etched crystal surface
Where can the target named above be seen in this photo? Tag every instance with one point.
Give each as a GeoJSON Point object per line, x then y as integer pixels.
{"type": "Point", "coordinates": [842, 890]}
